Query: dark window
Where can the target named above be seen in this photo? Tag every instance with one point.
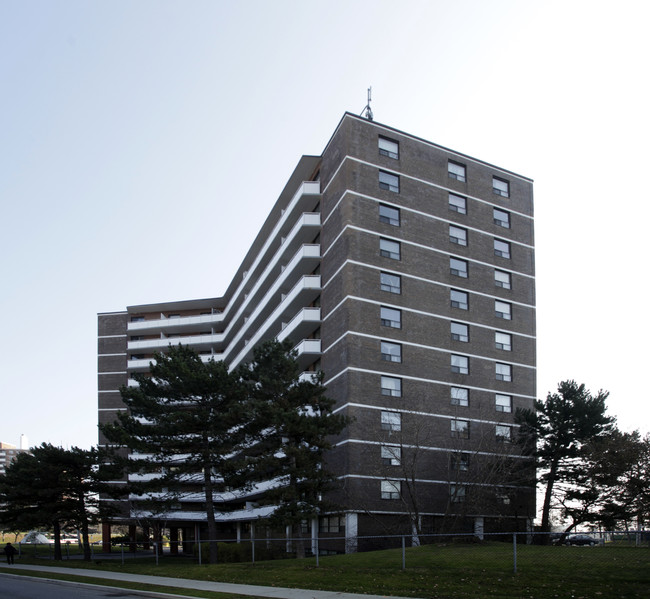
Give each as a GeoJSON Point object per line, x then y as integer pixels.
{"type": "Point", "coordinates": [459, 299]}
{"type": "Point", "coordinates": [389, 249]}
{"type": "Point", "coordinates": [388, 181]}
{"type": "Point", "coordinates": [389, 215]}
{"type": "Point", "coordinates": [458, 267]}
{"type": "Point", "coordinates": [391, 283]}
{"type": "Point", "coordinates": [388, 147]}
{"type": "Point", "coordinates": [456, 171]}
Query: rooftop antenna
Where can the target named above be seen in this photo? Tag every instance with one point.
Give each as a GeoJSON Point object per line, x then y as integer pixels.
{"type": "Point", "coordinates": [367, 111]}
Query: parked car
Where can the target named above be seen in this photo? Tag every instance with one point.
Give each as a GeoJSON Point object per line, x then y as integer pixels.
{"type": "Point", "coordinates": [580, 540]}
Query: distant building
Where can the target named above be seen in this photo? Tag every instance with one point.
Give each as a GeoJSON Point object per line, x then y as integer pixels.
{"type": "Point", "coordinates": [8, 452]}
{"type": "Point", "coordinates": [405, 271]}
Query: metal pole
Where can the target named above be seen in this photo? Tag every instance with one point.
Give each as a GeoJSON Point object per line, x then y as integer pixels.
{"type": "Point", "coordinates": [403, 552]}
{"type": "Point", "coordinates": [122, 551]}
{"type": "Point", "coordinates": [253, 542]}
{"type": "Point", "coordinates": [317, 552]}
{"type": "Point", "coordinates": [514, 551]}
{"type": "Point", "coordinates": [155, 550]}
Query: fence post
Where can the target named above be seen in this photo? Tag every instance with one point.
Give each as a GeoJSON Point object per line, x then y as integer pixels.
{"type": "Point", "coordinates": [514, 551]}
{"type": "Point", "coordinates": [122, 552]}
{"type": "Point", "coordinates": [253, 542]}
{"type": "Point", "coordinates": [317, 552]}
{"type": "Point", "coordinates": [155, 550]}
{"type": "Point", "coordinates": [403, 552]}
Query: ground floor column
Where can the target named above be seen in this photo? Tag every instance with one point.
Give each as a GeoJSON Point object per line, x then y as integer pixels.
{"type": "Point", "coordinates": [351, 533]}
{"type": "Point", "coordinates": [106, 537]}
{"type": "Point", "coordinates": [479, 527]}
{"type": "Point", "coordinates": [173, 540]}
{"type": "Point", "coordinates": [314, 535]}
{"type": "Point", "coordinates": [133, 538]}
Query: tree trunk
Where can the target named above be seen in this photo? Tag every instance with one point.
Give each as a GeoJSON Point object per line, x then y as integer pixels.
{"type": "Point", "coordinates": [300, 541]}
{"type": "Point", "coordinates": [85, 536]}
{"type": "Point", "coordinates": [209, 509]}
{"type": "Point", "coordinates": [85, 539]}
{"type": "Point", "coordinates": [546, 509]}
{"type": "Point", "coordinates": [57, 541]}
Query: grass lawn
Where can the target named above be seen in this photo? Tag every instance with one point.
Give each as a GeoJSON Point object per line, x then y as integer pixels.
{"type": "Point", "coordinates": [449, 571]}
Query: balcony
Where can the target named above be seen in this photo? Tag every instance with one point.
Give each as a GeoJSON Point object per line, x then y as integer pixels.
{"type": "Point", "coordinates": [301, 325]}
{"type": "Point", "coordinates": [195, 341]}
{"type": "Point", "coordinates": [266, 321]}
{"type": "Point", "coordinates": [307, 352]}
{"type": "Point", "coordinates": [187, 323]}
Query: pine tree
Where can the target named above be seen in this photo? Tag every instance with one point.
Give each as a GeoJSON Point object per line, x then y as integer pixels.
{"type": "Point", "coordinates": [55, 488]}
{"type": "Point", "coordinates": [558, 431]}
{"type": "Point", "coordinates": [294, 422]}
{"type": "Point", "coordinates": [186, 417]}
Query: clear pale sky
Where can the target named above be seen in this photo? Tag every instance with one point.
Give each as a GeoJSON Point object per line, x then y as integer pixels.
{"type": "Point", "coordinates": [166, 130]}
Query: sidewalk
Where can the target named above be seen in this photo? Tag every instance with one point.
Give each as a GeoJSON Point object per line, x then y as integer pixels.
{"type": "Point", "coordinates": [201, 585]}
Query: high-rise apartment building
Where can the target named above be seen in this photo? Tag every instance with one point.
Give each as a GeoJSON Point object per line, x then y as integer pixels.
{"type": "Point", "coordinates": [405, 272]}
{"type": "Point", "coordinates": [8, 453]}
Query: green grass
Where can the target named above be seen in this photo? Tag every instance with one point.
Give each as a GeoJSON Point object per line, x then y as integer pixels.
{"type": "Point", "coordinates": [450, 571]}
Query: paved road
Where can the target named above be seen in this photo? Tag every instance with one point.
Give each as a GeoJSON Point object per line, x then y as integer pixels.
{"type": "Point", "coordinates": [203, 585]}
{"type": "Point", "coordinates": [22, 587]}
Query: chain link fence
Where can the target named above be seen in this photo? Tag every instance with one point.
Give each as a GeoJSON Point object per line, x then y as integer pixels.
{"type": "Point", "coordinates": [510, 551]}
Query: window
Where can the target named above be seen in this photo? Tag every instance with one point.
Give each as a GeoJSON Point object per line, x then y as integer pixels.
{"type": "Point", "coordinates": [391, 317]}
{"type": "Point", "coordinates": [459, 364]}
{"type": "Point", "coordinates": [457, 235]}
{"type": "Point", "coordinates": [388, 181]}
{"type": "Point", "coordinates": [459, 331]}
{"type": "Point", "coordinates": [391, 489]}
{"type": "Point", "coordinates": [459, 299]}
{"type": "Point", "coordinates": [173, 316]}
{"type": "Point", "coordinates": [503, 403]}
{"type": "Point", "coordinates": [460, 429]}
{"type": "Point", "coordinates": [390, 283]}
{"type": "Point", "coordinates": [332, 524]}
{"type": "Point", "coordinates": [501, 218]}
{"type": "Point", "coordinates": [459, 462]}
{"type": "Point", "coordinates": [503, 498]}
{"type": "Point", "coordinates": [503, 372]}
{"type": "Point", "coordinates": [502, 248]}
{"type": "Point", "coordinates": [389, 215]}
{"type": "Point", "coordinates": [457, 493]}
{"type": "Point", "coordinates": [391, 455]}
{"type": "Point", "coordinates": [137, 356]}
{"type": "Point", "coordinates": [457, 203]}
{"type": "Point", "coordinates": [459, 396]}
{"type": "Point", "coordinates": [391, 352]}
{"type": "Point", "coordinates": [503, 341]}
{"type": "Point", "coordinates": [501, 187]}
{"type": "Point", "coordinates": [391, 421]}
{"type": "Point", "coordinates": [503, 310]}
{"type": "Point", "coordinates": [391, 385]}
{"type": "Point", "coordinates": [137, 318]}
{"type": "Point", "coordinates": [458, 267]}
{"type": "Point", "coordinates": [389, 249]}
{"type": "Point", "coordinates": [502, 279]}
{"type": "Point", "coordinates": [503, 433]}
{"type": "Point", "coordinates": [388, 147]}
{"type": "Point", "coordinates": [456, 171]}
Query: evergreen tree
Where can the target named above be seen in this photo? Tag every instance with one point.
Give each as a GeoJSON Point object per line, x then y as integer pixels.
{"type": "Point", "coordinates": [558, 432]}
{"type": "Point", "coordinates": [186, 417]}
{"type": "Point", "coordinates": [293, 424]}
{"type": "Point", "coordinates": [55, 488]}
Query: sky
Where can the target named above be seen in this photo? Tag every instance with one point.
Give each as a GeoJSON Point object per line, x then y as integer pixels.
{"type": "Point", "coordinates": [142, 145]}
